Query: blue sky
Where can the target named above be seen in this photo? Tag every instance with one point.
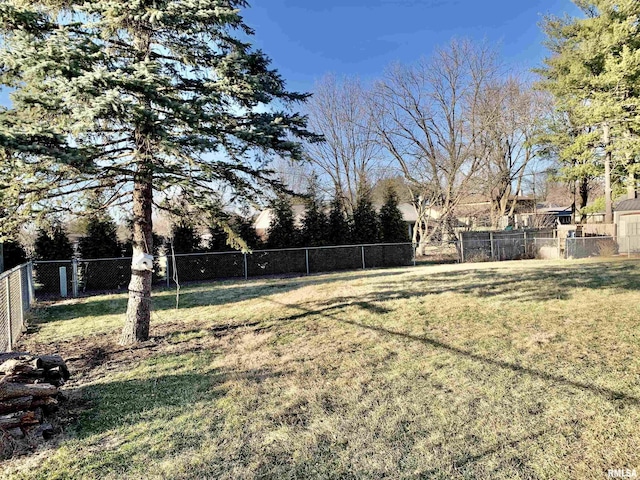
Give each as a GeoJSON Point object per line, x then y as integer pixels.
{"type": "Point", "coordinates": [307, 39]}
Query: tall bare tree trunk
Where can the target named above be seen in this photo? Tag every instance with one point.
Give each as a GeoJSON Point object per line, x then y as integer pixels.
{"type": "Point", "coordinates": [136, 326]}
{"type": "Point", "coordinates": [608, 210]}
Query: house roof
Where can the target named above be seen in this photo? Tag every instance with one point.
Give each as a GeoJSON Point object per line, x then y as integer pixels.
{"type": "Point", "coordinates": [554, 210]}
{"type": "Point", "coordinates": [629, 204]}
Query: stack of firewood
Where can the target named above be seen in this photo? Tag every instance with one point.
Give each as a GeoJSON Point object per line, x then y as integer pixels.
{"type": "Point", "coordinates": [29, 392]}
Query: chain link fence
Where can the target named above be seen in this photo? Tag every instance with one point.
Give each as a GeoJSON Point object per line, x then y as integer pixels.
{"type": "Point", "coordinates": [16, 298]}
{"type": "Point", "coordinates": [290, 261]}
{"type": "Point", "coordinates": [584, 247]}
{"type": "Point", "coordinates": [546, 248]}
{"type": "Point", "coordinates": [54, 279]}
{"type": "Point", "coordinates": [499, 246]}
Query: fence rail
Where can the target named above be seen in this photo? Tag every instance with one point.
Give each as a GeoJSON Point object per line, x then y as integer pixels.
{"type": "Point", "coordinates": [16, 297]}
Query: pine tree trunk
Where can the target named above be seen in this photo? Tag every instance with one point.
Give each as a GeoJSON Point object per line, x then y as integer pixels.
{"type": "Point", "coordinates": [608, 201]}
{"type": "Point", "coordinates": [136, 327]}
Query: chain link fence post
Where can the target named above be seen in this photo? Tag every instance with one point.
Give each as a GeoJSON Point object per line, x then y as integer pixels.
{"type": "Point", "coordinates": [306, 259]}
{"type": "Point", "coordinates": [364, 265]}
{"type": "Point", "coordinates": [21, 290]}
{"type": "Point", "coordinates": [7, 286]}
{"type": "Point", "coordinates": [493, 254]}
{"type": "Point", "coordinates": [32, 287]}
{"type": "Point", "coordinates": [246, 266]}
{"type": "Point", "coordinates": [74, 277]}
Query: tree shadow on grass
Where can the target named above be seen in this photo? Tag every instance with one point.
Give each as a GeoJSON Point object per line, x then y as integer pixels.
{"type": "Point", "coordinates": [198, 295]}
{"type": "Point", "coordinates": [537, 284]}
{"type": "Point", "coordinates": [541, 283]}
{"type": "Point", "coordinates": [526, 285]}
{"type": "Point", "coordinates": [330, 313]}
{"type": "Point", "coordinates": [110, 405]}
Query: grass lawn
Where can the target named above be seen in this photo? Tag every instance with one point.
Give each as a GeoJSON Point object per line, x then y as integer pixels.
{"type": "Point", "coordinates": [504, 370]}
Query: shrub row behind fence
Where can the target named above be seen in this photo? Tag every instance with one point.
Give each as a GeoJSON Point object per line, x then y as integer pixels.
{"type": "Point", "coordinates": [87, 276]}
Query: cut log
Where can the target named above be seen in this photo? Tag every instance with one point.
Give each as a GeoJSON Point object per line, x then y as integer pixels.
{"type": "Point", "coordinates": [9, 355]}
{"type": "Point", "coordinates": [45, 430]}
{"type": "Point", "coordinates": [18, 419]}
{"type": "Point", "coordinates": [16, 432]}
{"type": "Point", "coordinates": [20, 378]}
{"type": "Point", "coordinates": [49, 405]}
{"type": "Point", "coordinates": [15, 390]}
{"type": "Point", "coordinates": [21, 367]}
{"type": "Point", "coordinates": [50, 361]}
{"type": "Point", "coordinates": [17, 404]}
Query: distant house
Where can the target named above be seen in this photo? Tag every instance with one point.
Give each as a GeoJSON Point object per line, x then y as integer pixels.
{"type": "Point", "coordinates": [627, 218]}
{"type": "Point", "coordinates": [474, 212]}
{"type": "Point", "coordinates": [264, 218]}
{"type": "Point", "coordinates": [560, 215]}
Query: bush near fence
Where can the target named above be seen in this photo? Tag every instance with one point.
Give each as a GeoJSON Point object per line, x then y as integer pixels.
{"type": "Point", "coordinates": [584, 247]}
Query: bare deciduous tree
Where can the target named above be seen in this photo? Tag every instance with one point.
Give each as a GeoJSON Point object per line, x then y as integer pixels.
{"type": "Point", "coordinates": [338, 111]}
{"type": "Point", "coordinates": [429, 118]}
{"type": "Point", "coordinates": [512, 119]}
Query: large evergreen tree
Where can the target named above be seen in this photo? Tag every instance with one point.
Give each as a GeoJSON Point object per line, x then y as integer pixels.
{"type": "Point", "coordinates": [13, 254]}
{"type": "Point", "coordinates": [594, 73]}
{"type": "Point", "coordinates": [338, 228]}
{"type": "Point", "coordinates": [245, 229]}
{"type": "Point", "coordinates": [314, 223]}
{"type": "Point", "coordinates": [282, 231]}
{"type": "Point", "coordinates": [393, 228]}
{"type": "Point", "coordinates": [366, 228]}
{"type": "Point", "coordinates": [138, 95]}
{"type": "Point", "coordinates": [185, 237]}
{"type": "Point", "coordinates": [53, 244]}
{"type": "Point", "coordinates": [101, 239]}
{"type": "Point", "coordinates": [218, 239]}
